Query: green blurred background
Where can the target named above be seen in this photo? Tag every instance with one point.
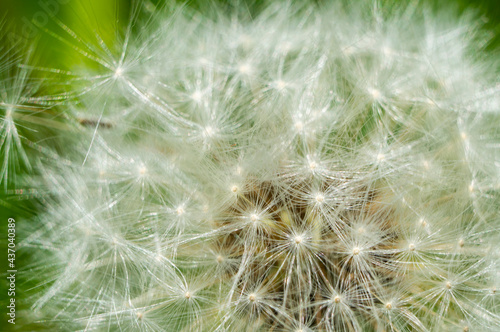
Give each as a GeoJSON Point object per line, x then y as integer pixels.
{"type": "Point", "coordinates": [30, 22]}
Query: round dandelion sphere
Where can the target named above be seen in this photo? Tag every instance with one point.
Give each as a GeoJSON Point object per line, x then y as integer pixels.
{"type": "Point", "coordinates": [331, 167]}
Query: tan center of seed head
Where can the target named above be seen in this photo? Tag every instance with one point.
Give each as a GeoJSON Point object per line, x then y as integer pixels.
{"type": "Point", "coordinates": [187, 295]}
{"type": "Point", "coordinates": [388, 305]}
{"type": "Point", "coordinates": [336, 299]}
{"type": "Point", "coordinates": [252, 297]}
{"type": "Point", "coordinates": [234, 189]}
{"type": "Point", "coordinates": [219, 259]}
{"type": "Point", "coordinates": [356, 251]}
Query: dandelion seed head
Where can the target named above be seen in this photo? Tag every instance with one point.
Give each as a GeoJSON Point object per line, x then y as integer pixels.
{"type": "Point", "coordinates": [252, 297]}
{"type": "Point", "coordinates": [284, 211]}
{"type": "Point", "coordinates": [387, 51]}
{"type": "Point", "coordinates": [245, 69]}
{"type": "Point", "coordinates": [285, 47]}
{"type": "Point", "coordinates": [299, 126]}
{"type": "Point", "coordinates": [320, 198]}
{"type": "Point", "coordinates": [180, 211]}
{"type": "Point", "coordinates": [209, 131]}
{"type": "Point", "coordinates": [118, 72]}
{"type": "Point", "coordinates": [197, 96]}
{"type": "Point", "coordinates": [298, 239]}
{"type": "Point", "coordinates": [472, 187]}
{"type": "Point", "coordinates": [375, 94]}
{"type": "Point", "coordinates": [203, 61]}
{"type": "Point", "coordinates": [280, 85]}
